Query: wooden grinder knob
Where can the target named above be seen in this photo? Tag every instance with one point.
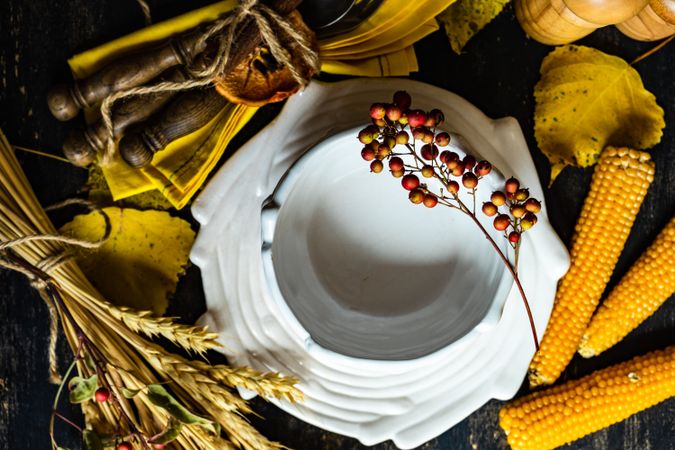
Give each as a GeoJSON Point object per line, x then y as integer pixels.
{"type": "Point", "coordinates": [656, 21]}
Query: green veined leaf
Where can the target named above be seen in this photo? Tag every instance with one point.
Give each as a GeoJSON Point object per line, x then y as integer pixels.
{"type": "Point", "coordinates": [161, 397]}
{"type": "Point", "coordinates": [91, 440]}
{"type": "Point", "coordinates": [82, 389]}
{"type": "Point", "coordinates": [170, 432]}
{"type": "Point", "coordinates": [130, 393]}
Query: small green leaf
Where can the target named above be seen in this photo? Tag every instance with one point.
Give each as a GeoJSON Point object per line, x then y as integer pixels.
{"type": "Point", "coordinates": [161, 397]}
{"type": "Point", "coordinates": [130, 393]}
{"type": "Point", "coordinates": [91, 440]}
{"type": "Point", "coordinates": [82, 389]}
{"type": "Point", "coordinates": [170, 432]}
{"type": "Point", "coordinates": [89, 362]}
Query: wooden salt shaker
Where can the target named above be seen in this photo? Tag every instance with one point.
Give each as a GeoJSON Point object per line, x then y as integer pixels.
{"type": "Point", "coordinates": [557, 22]}
{"type": "Point", "coordinates": [656, 21]}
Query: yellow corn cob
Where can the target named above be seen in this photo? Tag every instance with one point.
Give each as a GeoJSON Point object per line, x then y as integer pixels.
{"type": "Point", "coordinates": [561, 414]}
{"type": "Point", "coordinates": [646, 286]}
{"type": "Point", "coordinates": [619, 184]}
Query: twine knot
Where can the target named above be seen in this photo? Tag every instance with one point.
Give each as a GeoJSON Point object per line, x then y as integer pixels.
{"type": "Point", "coordinates": [224, 28]}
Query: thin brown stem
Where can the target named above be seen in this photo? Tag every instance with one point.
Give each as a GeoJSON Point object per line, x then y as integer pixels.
{"type": "Point", "coordinates": [68, 421]}
{"type": "Point", "coordinates": [653, 50]}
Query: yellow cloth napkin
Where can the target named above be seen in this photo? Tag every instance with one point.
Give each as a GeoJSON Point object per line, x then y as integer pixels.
{"type": "Point", "coordinates": [380, 46]}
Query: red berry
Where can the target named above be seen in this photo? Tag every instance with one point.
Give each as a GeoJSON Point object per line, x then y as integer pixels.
{"type": "Point", "coordinates": [518, 211]}
{"type": "Point", "coordinates": [453, 187]}
{"type": "Point", "coordinates": [430, 200]}
{"type": "Point", "coordinates": [427, 171]}
{"type": "Point", "coordinates": [410, 182]}
{"type": "Point", "coordinates": [383, 151]}
{"type": "Point", "coordinates": [511, 185]}
{"type": "Point", "coordinates": [469, 162]}
{"type": "Point", "coordinates": [396, 163]}
{"type": "Point", "coordinates": [514, 237]}
{"type": "Point", "coordinates": [459, 169]}
{"type": "Point", "coordinates": [393, 112]}
{"type": "Point", "coordinates": [376, 166]}
{"type": "Point", "coordinates": [418, 133]}
{"type": "Point", "coordinates": [489, 209]}
{"type": "Point", "coordinates": [429, 152]}
{"type": "Point", "coordinates": [530, 217]}
{"type": "Point", "coordinates": [365, 136]}
{"type": "Point", "coordinates": [498, 198]}
{"type": "Point", "coordinates": [469, 180]}
{"type": "Point", "coordinates": [443, 139]}
{"type": "Point", "coordinates": [532, 205]}
{"type": "Point", "coordinates": [102, 394]}
{"type": "Point", "coordinates": [428, 137]}
{"type": "Point", "coordinates": [416, 118]}
{"type": "Point", "coordinates": [377, 111]}
{"type": "Point", "coordinates": [483, 168]}
{"type": "Point", "coordinates": [402, 99]}
{"type": "Point", "coordinates": [404, 119]}
{"type": "Point", "coordinates": [379, 123]}
{"type": "Point", "coordinates": [437, 116]}
{"type": "Point", "coordinates": [501, 222]}
{"type": "Point", "coordinates": [124, 446]}
{"type": "Point", "coordinates": [416, 196]}
{"type": "Point", "coordinates": [158, 446]}
{"type": "Point", "coordinates": [522, 194]}
{"type": "Point", "coordinates": [368, 153]}
{"type": "Point", "coordinates": [397, 173]}
{"type": "Point", "coordinates": [526, 223]}
{"type": "Point", "coordinates": [402, 137]}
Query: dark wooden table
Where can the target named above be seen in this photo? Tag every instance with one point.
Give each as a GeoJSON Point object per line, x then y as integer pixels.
{"type": "Point", "coordinates": [497, 73]}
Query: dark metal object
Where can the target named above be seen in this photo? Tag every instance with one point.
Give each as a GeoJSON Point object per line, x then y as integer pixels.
{"type": "Point", "coordinates": [188, 112]}
{"type": "Point", "coordinates": [330, 17]}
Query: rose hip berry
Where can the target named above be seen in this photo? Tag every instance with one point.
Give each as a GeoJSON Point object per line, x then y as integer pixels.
{"type": "Point", "coordinates": [458, 169]}
{"type": "Point", "coordinates": [124, 446]}
{"type": "Point", "coordinates": [368, 153]}
{"type": "Point", "coordinates": [396, 163]}
{"type": "Point", "coordinates": [159, 446]}
{"type": "Point", "coordinates": [365, 136]}
{"type": "Point", "coordinates": [483, 168]}
{"type": "Point", "coordinates": [102, 394]}
{"type": "Point", "coordinates": [443, 139]}
{"type": "Point", "coordinates": [434, 118]}
{"type": "Point", "coordinates": [429, 152]}
{"type": "Point", "coordinates": [511, 185]}
{"type": "Point", "coordinates": [469, 162]}
{"type": "Point", "coordinates": [418, 133]}
{"type": "Point", "coordinates": [469, 180]}
{"type": "Point", "coordinates": [518, 211]}
{"type": "Point", "coordinates": [427, 171]}
{"type": "Point", "coordinates": [430, 200]}
{"type": "Point", "coordinates": [383, 151]}
{"type": "Point", "coordinates": [489, 209]}
{"type": "Point", "coordinates": [416, 118]}
{"type": "Point", "coordinates": [453, 187]}
{"type": "Point", "coordinates": [532, 205]}
{"type": "Point", "coordinates": [376, 166]}
{"type": "Point", "coordinates": [377, 111]}
{"type": "Point", "coordinates": [402, 137]}
{"type": "Point", "coordinates": [501, 222]}
{"type": "Point", "coordinates": [416, 196]}
{"type": "Point", "coordinates": [498, 198]}
{"type": "Point", "coordinates": [410, 182]}
{"type": "Point", "coordinates": [514, 237]}
{"type": "Point", "coordinates": [393, 112]}
{"type": "Point", "coordinates": [402, 99]}
{"type": "Point", "coordinates": [397, 173]}
{"type": "Point", "coordinates": [522, 194]}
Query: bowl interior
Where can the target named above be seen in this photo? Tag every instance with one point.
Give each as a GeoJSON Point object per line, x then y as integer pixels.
{"type": "Point", "coordinates": [367, 273]}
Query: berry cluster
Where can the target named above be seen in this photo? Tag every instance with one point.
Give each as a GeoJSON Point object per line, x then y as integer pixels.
{"type": "Point", "coordinates": [393, 137]}
{"type": "Point", "coordinates": [517, 202]}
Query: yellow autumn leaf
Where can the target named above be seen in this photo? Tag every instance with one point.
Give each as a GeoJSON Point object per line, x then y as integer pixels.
{"type": "Point", "coordinates": [464, 18]}
{"type": "Point", "coordinates": [139, 265]}
{"type": "Point", "coordinates": [100, 194]}
{"type": "Point", "coordinates": [586, 100]}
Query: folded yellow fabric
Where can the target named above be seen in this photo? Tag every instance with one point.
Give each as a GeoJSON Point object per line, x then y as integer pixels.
{"type": "Point", "coordinates": [381, 46]}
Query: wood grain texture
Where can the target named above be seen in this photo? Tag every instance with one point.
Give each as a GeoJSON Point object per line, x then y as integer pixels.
{"type": "Point", "coordinates": [496, 72]}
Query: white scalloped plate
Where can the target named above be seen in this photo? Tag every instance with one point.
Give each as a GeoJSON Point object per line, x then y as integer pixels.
{"type": "Point", "coordinates": [411, 400]}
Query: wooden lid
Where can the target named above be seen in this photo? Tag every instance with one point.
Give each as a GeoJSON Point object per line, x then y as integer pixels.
{"type": "Point", "coordinates": [606, 12]}
{"type": "Point", "coordinates": [665, 9]}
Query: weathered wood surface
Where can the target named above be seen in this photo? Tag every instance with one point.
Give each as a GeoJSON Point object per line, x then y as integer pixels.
{"type": "Point", "coordinates": [497, 73]}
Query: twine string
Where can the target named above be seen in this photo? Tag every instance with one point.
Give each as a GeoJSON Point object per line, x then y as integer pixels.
{"type": "Point", "coordinates": [38, 274]}
{"type": "Point", "coordinates": [224, 29]}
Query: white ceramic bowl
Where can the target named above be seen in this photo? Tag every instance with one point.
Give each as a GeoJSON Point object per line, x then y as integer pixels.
{"type": "Point", "coordinates": [367, 273]}
{"type": "Point", "coordinates": [407, 400]}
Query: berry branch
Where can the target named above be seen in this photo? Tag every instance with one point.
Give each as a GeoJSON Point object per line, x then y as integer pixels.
{"type": "Point", "coordinates": [392, 126]}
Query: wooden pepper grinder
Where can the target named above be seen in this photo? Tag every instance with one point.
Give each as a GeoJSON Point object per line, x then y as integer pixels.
{"type": "Point", "coordinates": [556, 22]}
{"type": "Point", "coordinates": [656, 21]}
